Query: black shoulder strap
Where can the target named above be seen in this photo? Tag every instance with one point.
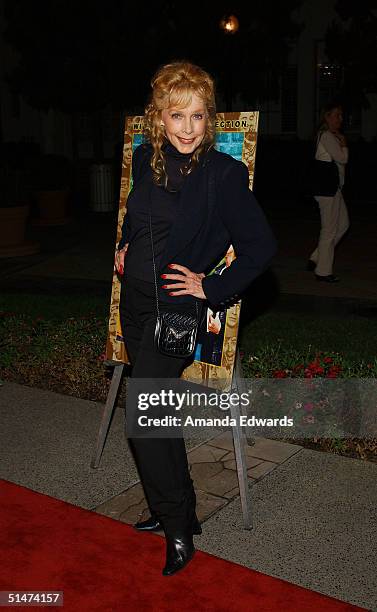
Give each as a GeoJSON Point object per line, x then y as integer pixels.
{"type": "Point", "coordinates": [317, 143]}
{"type": "Point", "coordinates": [320, 134]}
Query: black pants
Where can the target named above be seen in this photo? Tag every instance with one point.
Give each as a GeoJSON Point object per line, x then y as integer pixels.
{"type": "Point", "coordinates": [161, 462]}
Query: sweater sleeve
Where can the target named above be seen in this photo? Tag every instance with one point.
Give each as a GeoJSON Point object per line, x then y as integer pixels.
{"type": "Point", "coordinates": [333, 147]}
{"type": "Point", "coordinates": [250, 234]}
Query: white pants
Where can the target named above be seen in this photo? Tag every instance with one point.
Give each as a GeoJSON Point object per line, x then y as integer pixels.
{"type": "Point", "coordinates": [334, 224]}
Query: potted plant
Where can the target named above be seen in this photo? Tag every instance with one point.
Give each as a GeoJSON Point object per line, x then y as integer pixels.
{"type": "Point", "coordinates": [52, 184]}
{"type": "Point", "coordinates": [14, 201]}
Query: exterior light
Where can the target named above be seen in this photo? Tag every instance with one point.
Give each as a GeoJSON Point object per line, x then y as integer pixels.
{"type": "Point", "coordinates": [229, 24]}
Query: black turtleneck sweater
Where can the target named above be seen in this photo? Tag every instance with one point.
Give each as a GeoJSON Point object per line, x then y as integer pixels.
{"type": "Point", "coordinates": [164, 204]}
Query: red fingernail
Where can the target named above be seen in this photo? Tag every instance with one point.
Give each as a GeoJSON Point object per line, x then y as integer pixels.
{"type": "Point", "coordinates": [164, 286]}
{"type": "Point", "coordinates": [120, 269]}
{"type": "Point", "coordinates": [170, 293]}
{"type": "Point", "coordinates": [171, 266]}
{"type": "Point", "coordinates": [163, 275]}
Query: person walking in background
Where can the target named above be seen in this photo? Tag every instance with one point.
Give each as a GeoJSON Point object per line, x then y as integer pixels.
{"type": "Point", "coordinates": [331, 146]}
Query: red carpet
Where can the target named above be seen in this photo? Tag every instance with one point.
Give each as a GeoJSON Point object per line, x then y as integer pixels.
{"type": "Point", "coordinates": [102, 564]}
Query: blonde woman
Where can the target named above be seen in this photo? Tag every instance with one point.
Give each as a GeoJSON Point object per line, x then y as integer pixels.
{"type": "Point", "coordinates": [170, 180]}
{"type": "Point", "coordinates": [331, 146]}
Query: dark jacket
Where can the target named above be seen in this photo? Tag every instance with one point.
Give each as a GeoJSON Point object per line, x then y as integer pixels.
{"type": "Point", "coordinates": [217, 209]}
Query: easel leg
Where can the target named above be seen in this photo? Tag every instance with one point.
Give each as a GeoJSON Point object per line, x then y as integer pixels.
{"type": "Point", "coordinates": [240, 442]}
{"type": "Point", "coordinates": [241, 388]}
{"type": "Point", "coordinates": [107, 414]}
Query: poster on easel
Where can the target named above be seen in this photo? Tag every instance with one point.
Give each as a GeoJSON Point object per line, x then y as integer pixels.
{"type": "Point", "coordinates": [214, 358]}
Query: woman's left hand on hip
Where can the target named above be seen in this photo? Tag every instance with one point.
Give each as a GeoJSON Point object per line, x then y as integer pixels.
{"type": "Point", "coordinates": [190, 282]}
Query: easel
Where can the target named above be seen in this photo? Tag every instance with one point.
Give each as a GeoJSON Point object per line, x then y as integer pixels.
{"type": "Point", "coordinates": [239, 434]}
{"type": "Point", "coordinates": [245, 123]}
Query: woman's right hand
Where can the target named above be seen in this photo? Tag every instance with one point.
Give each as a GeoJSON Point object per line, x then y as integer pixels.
{"type": "Point", "coordinates": [119, 259]}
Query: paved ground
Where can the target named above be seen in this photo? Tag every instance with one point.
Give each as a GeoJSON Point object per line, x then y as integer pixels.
{"type": "Point", "coordinates": [315, 525]}
{"type": "Point", "coordinates": [80, 254]}
{"type": "Point", "coordinates": [314, 514]}
{"type": "Point", "coordinates": [315, 520]}
{"type": "Point", "coordinates": [355, 261]}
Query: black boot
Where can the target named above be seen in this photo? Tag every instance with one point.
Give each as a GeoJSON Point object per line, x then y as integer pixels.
{"type": "Point", "coordinates": [179, 551]}
{"type": "Point", "coordinates": [196, 526]}
{"type": "Point", "coordinates": [153, 524]}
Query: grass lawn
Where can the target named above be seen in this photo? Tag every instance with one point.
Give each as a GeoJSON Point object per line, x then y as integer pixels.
{"type": "Point", "coordinates": [54, 307]}
{"type": "Point", "coordinates": [57, 343]}
{"type": "Point", "coordinates": [286, 334]}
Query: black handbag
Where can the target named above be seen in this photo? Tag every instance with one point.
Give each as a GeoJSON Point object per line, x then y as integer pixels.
{"type": "Point", "coordinates": [175, 333]}
{"type": "Point", "coordinates": [323, 177]}
{"type": "Point", "coordinates": [176, 330]}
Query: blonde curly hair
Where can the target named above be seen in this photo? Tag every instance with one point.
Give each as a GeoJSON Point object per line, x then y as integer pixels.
{"type": "Point", "coordinates": [173, 85]}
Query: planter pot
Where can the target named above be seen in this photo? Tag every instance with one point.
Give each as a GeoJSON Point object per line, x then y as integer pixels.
{"type": "Point", "coordinates": [52, 206]}
{"type": "Point", "coordinates": [12, 232]}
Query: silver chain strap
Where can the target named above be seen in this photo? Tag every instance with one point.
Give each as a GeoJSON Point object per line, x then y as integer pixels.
{"type": "Point", "coordinates": [154, 263]}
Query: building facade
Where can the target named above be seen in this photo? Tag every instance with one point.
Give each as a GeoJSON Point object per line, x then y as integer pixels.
{"type": "Point", "coordinates": [308, 81]}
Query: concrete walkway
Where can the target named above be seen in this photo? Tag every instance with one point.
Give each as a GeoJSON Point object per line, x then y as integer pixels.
{"type": "Point", "coordinates": [314, 514]}
{"type": "Point", "coordinates": [80, 254]}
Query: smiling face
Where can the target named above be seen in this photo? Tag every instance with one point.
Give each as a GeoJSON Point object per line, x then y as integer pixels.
{"type": "Point", "coordinates": [185, 127]}
{"type": "Point", "coordinates": [232, 317]}
{"type": "Point", "coordinates": [229, 350]}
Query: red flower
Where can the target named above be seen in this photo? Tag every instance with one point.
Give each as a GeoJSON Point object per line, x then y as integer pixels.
{"type": "Point", "coordinates": [279, 374]}
{"type": "Point", "coordinates": [313, 364]}
{"type": "Point", "coordinates": [315, 368]}
{"type": "Point", "coordinates": [334, 371]}
{"type": "Point", "coordinates": [309, 418]}
{"type": "Point", "coordinates": [327, 360]}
